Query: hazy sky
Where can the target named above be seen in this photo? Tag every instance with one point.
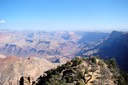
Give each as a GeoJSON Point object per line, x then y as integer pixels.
{"type": "Point", "coordinates": [59, 15]}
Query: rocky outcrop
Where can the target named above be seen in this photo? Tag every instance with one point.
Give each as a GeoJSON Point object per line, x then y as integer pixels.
{"type": "Point", "coordinates": [13, 68]}
{"type": "Point", "coordinates": [87, 71]}
{"type": "Point", "coordinates": [12, 49]}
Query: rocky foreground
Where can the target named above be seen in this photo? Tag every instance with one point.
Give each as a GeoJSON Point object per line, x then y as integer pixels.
{"type": "Point", "coordinates": [13, 68]}
{"type": "Point", "coordinates": [80, 71]}
{"type": "Point", "coordinates": [84, 71]}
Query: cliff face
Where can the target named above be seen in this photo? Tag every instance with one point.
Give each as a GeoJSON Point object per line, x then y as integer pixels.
{"type": "Point", "coordinates": [116, 46]}
{"type": "Point", "coordinates": [93, 37]}
{"type": "Point", "coordinates": [13, 68]}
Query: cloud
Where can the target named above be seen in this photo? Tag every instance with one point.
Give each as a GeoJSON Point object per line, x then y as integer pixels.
{"type": "Point", "coordinates": [2, 21]}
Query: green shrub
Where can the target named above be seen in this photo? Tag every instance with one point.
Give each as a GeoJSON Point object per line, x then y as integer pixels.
{"type": "Point", "coordinates": [111, 63]}
{"type": "Point", "coordinates": [94, 60]}
{"type": "Point", "coordinates": [76, 61]}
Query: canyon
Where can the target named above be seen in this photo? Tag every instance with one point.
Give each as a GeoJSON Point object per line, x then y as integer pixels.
{"type": "Point", "coordinates": [26, 54]}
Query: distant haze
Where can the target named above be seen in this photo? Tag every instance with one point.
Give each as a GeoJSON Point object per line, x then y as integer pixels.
{"type": "Point", "coordinates": [64, 15]}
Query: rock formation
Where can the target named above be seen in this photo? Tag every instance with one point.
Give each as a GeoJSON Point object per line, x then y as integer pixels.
{"type": "Point", "coordinates": [13, 68]}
